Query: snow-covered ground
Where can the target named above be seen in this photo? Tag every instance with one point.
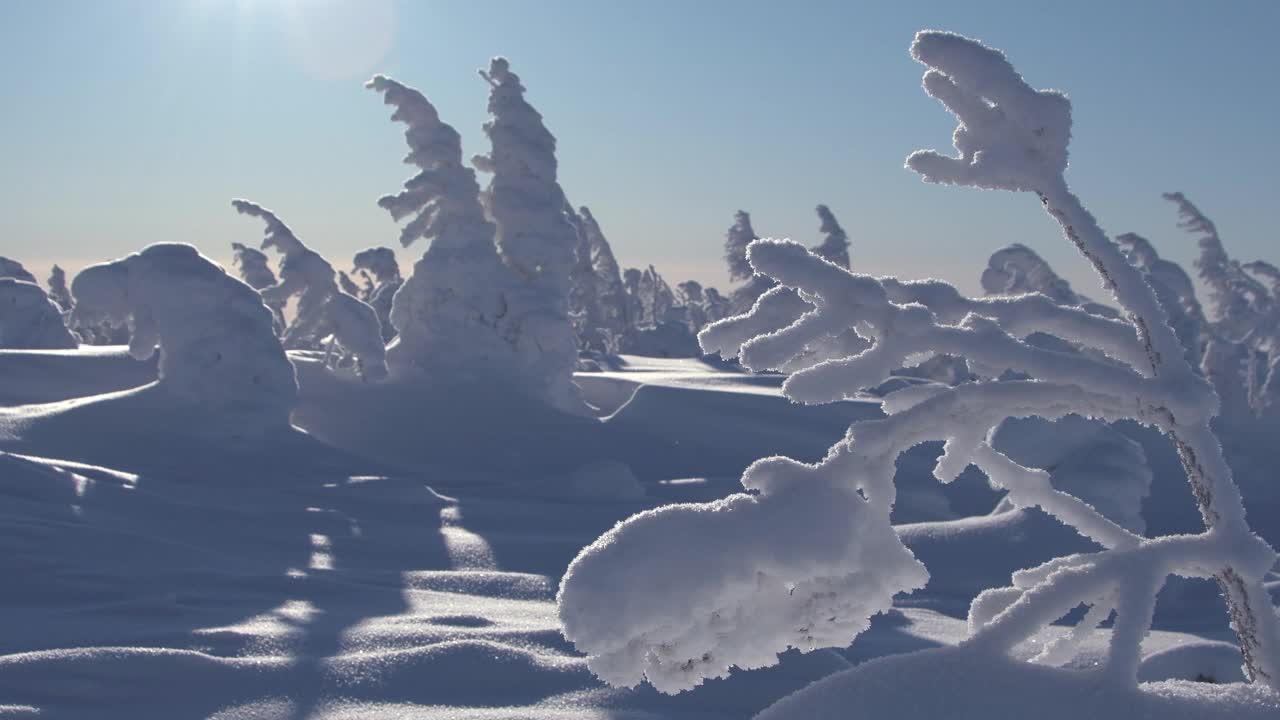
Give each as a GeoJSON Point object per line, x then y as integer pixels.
{"type": "Point", "coordinates": [399, 555]}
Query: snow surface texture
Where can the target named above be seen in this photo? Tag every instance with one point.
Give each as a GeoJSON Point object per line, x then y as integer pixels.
{"type": "Point", "coordinates": [1010, 137]}
{"type": "Point", "coordinates": [323, 309]}
{"type": "Point", "coordinates": [214, 334]}
{"type": "Point", "coordinates": [29, 319]}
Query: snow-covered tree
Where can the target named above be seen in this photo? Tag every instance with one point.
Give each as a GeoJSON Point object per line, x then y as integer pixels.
{"type": "Point", "coordinates": [684, 592]}
{"type": "Point", "coordinates": [717, 306]}
{"type": "Point", "coordinates": [58, 291]}
{"type": "Point", "coordinates": [382, 279]}
{"type": "Point", "coordinates": [585, 309]}
{"type": "Point", "coordinates": [533, 235]}
{"type": "Point", "coordinates": [30, 319]}
{"type": "Point", "coordinates": [610, 292]}
{"type": "Point", "coordinates": [217, 347]}
{"type": "Point", "coordinates": [739, 235]}
{"type": "Point", "coordinates": [1237, 299]}
{"type": "Point", "coordinates": [1174, 290]}
{"type": "Point", "coordinates": [323, 309]}
{"type": "Point", "coordinates": [835, 242]}
{"type": "Point", "coordinates": [14, 269]}
{"type": "Point", "coordinates": [253, 267]}
{"type": "Point", "coordinates": [454, 315]}
{"type": "Point", "coordinates": [690, 296]}
{"type": "Point", "coordinates": [1016, 269]}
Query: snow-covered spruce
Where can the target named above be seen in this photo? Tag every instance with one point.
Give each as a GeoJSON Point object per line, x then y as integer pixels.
{"type": "Point", "coordinates": [29, 318]}
{"type": "Point", "coordinates": [534, 236]}
{"type": "Point", "coordinates": [58, 291]}
{"type": "Point", "coordinates": [585, 311]}
{"type": "Point", "coordinates": [252, 266]}
{"type": "Point", "coordinates": [1238, 299]}
{"type": "Point", "coordinates": [453, 315]}
{"type": "Point", "coordinates": [14, 269]}
{"type": "Point", "coordinates": [835, 242]}
{"type": "Point", "coordinates": [217, 347]}
{"type": "Point", "coordinates": [736, 239]}
{"type": "Point", "coordinates": [1010, 137]}
{"type": "Point", "coordinates": [381, 272]}
{"type": "Point", "coordinates": [611, 294]}
{"type": "Point", "coordinates": [323, 309]}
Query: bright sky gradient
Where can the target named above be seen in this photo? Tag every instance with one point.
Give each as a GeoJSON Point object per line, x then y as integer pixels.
{"type": "Point", "coordinates": [128, 123]}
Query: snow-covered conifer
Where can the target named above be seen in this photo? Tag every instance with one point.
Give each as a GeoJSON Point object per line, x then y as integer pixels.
{"type": "Point", "coordinates": [585, 310]}
{"type": "Point", "coordinates": [835, 243]}
{"type": "Point", "coordinates": [58, 290]}
{"type": "Point", "coordinates": [382, 278]}
{"type": "Point", "coordinates": [1238, 299]}
{"type": "Point", "coordinates": [736, 239]}
{"type": "Point", "coordinates": [30, 319]}
{"type": "Point", "coordinates": [610, 291]}
{"type": "Point", "coordinates": [252, 265]}
{"type": "Point", "coordinates": [217, 346]}
{"type": "Point", "coordinates": [453, 315]}
{"type": "Point", "coordinates": [323, 309]}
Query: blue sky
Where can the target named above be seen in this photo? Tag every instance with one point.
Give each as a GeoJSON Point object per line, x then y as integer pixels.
{"type": "Point", "coordinates": [127, 123]}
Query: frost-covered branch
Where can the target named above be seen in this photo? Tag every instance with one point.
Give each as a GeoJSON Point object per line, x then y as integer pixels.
{"type": "Point", "coordinates": [1013, 137]}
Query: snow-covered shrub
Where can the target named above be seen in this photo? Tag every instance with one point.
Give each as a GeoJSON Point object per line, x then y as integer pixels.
{"type": "Point", "coordinates": [29, 319]}
{"type": "Point", "coordinates": [58, 291]}
{"type": "Point", "coordinates": [217, 347]}
{"type": "Point", "coordinates": [684, 592]}
{"type": "Point", "coordinates": [381, 273]}
{"type": "Point", "coordinates": [324, 311]}
{"type": "Point", "coordinates": [14, 269]}
{"type": "Point", "coordinates": [835, 242]}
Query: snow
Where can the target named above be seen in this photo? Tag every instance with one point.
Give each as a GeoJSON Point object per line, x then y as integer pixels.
{"type": "Point", "coordinates": [882, 499]}
{"type": "Point", "coordinates": [30, 319]}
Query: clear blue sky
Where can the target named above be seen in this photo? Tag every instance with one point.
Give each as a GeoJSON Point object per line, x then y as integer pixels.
{"type": "Point", "coordinates": [127, 123]}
